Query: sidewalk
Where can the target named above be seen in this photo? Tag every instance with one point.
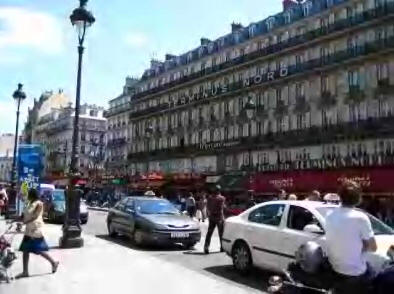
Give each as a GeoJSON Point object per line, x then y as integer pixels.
{"type": "Point", "coordinates": [105, 267]}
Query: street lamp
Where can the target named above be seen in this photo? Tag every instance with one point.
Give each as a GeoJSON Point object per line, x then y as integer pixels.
{"type": "Point", "coordinates": [18, 96]}
{"type": "Point", "coordinates": [250, 108]}
{"type": "Point", "coordinates": [81, 19]}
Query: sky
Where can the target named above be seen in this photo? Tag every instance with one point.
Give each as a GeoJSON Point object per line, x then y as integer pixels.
{"type": "Point", "coordinates": [38, 45]}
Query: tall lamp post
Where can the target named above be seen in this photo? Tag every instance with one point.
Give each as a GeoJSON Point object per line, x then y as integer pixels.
{"type": "Point", "coordinates": [250, 108]}
{"type": "Point", "coordinates": [81, 19]}
{"type": "Point", "coordinates": [18, 96]}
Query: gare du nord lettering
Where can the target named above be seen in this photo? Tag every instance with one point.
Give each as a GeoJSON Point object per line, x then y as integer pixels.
{"type": "Point", "coordinates": [254, 80]}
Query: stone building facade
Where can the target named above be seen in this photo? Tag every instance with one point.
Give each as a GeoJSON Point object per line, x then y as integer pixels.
{"type": "Point", "coordinates": [54, 131]}
{"type": "Point", "coordinates": [318, 75]}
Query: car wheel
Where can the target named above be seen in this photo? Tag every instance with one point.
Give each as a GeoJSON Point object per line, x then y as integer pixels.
{"type": "Point", "coordinates": [242, 259]}
{"type": "Point", "coordinates": [189, 245]}
{"type": "Point", "coordinates": [84, 222]}
{"type": "Point", "coordinates": [137, 237]}
{"type": "Point", "coordinates": [111, 230]}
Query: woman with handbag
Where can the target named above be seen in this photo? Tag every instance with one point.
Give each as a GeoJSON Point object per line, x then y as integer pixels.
{"type": "Point", "coordinates": [33, 240]}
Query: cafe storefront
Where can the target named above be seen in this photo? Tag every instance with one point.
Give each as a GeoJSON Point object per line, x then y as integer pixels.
{"type": "Point", "coordinates": [375, 181]}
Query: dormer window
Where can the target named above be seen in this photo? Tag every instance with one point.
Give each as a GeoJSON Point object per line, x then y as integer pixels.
{"type": "Point", "coordinates": [252, 30]}
{"type": "Point", "coordinates": [287, 17]}
{"type": "Point", "coordinates": [189, 57]}
{"type": "Point", "coordinates": [222, 42]}
{"type": "Point", "coordinates": [237, 37]}
{"type": "Point", "coordinates": [201, 51]}
{"type": "Point", "coordinates": [307, 8]}
{"type": "Point", "coordinates": [270, 23]}
{"type": "Point", "coordinates": [211, 46]}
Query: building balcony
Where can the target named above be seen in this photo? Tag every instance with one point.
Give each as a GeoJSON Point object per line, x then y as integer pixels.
{"type": "Point", "coordinates": [339, 58]}
{"type": "Point", "coordinates": [274, 49]}
{"type": "Point", "coordinates": [326, 100]}
{"type": "Point", "coordinates": [139, 113]}
{"type": "Point", "coordinates": [355, 95]}
{"type": "Point", "coordinates": [116, 142]}
{"type": "Point", "coordinates": [351, 131]}
{"type": "Point", "coordinates": [117, 110]}
{"type": "Point", "coordinates": [384, 89]}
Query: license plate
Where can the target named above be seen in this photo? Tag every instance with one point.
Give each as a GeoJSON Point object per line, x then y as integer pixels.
{"type": "Point", "coordinates": [179, 235]}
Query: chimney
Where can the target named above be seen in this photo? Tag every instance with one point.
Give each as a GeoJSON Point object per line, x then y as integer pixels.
{"type": "Point", "coordinates": [236, 27]}
{"type": "Point", "coordinates": [205, 41]}
{"type": "Point", "coordinates": [169, 57]}
{"type": "Point", "coordinates": [287, 4]}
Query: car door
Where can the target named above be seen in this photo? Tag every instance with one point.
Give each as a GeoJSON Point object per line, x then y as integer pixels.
{"type": "Point", "coordinates": [293, 235]}
{"type": "Point", "coordinates": [127, 217]}
{"type": "Point", "coordinates": [116, 215]}
{"type": "Point", "coordinates": [262, 233]}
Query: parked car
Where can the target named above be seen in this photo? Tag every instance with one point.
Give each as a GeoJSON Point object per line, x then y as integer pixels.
{"type": "Point", "coordinates": [55, 207]}
{"type": "Point", "coordinates": [268, 235]}
{"type": "Point", "coordinates": [154, 221]}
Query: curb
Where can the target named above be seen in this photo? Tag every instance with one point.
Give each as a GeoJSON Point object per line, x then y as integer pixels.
{"type": "Point", "coordinates": [98, 209]}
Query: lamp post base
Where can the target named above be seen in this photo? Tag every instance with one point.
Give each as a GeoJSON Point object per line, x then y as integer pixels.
{"type": "Point", "coordinates": [71, 237]}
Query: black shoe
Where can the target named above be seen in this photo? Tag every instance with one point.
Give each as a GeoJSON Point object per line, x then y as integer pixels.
{"type": "Point", "coordinates": [206, 250]}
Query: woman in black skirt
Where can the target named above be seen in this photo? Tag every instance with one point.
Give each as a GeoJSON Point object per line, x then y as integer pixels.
{"type": "Point", "coordinates": [33, 240]}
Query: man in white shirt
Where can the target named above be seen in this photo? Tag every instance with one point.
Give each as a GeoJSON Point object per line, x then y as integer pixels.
{"type": "Point", "coordinates": [349, 235]}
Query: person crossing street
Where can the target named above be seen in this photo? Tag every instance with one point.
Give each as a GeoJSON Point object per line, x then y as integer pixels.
{"type": "Point", "coordinates": [216, 206]}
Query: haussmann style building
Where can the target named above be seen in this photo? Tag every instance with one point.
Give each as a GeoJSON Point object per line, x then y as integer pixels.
{"type": "Point", "coordinates": [299, 101]}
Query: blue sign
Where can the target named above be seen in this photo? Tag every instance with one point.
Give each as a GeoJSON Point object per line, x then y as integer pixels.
{"type": "Point", "coordinates": [30, 164]}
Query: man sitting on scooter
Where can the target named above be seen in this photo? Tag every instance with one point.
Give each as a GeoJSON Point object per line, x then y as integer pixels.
{"type": "Point", "coordinates": [349, 235]}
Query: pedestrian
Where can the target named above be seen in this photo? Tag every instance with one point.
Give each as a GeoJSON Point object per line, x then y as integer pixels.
{"type": "Point", "coordinates": [3, 200]}
{"type": "Point", "coordinates": [281, 195]}
{"type": "Point", "coordinates": [314, 196]}
{"type": "Point", "coordinates": [33, 240]}
{"type": "Point", "coordinates": [292, 197]}
{"type": "Point", "coordinates": [191, 205]}
{"type": "Point", "coordinates": [251, 201]}
{"type": "Point", "coordinates": [216, 206]}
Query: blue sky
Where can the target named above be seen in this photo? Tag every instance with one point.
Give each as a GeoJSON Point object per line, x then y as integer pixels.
{"type": "Point", "coordinates": [38, 43]}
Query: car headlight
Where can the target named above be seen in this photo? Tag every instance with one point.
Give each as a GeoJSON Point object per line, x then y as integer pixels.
{"type": "Point", "coordinates": [83, 208]}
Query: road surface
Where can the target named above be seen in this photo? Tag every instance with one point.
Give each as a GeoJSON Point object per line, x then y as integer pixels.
{"type": "Point", "coordinates": [216, 264]}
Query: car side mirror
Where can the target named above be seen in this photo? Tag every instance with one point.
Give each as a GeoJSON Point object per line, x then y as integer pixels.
{"type": "Point", "coordinates": [130, 211]}
{"type": "Point", "coordinates": [314, 229]}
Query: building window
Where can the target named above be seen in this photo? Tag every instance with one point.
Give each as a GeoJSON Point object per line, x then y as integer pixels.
{"type": "Point", "coordinates": [300, 89]}
{"type": "Point", "coordinates": [354, 78]}
{"type": "Point", "coordinates": [270, 23]}
{"type": "Point", "coordinates": [280, 125]}
{"type": "Point", "coordinates": [382, 71]}
{"type": "Point", "coordinates": [324, 83]}
{"type": "Point", "coordinates": [301, 121]}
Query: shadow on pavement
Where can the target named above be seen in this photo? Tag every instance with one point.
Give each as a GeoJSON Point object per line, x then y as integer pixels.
{"type": "Point", "coordinates": [127, 242]}
{"type": "Point", "coordinates": [257, 278]}
{"type": "Point", "coordinates": [200, 253]}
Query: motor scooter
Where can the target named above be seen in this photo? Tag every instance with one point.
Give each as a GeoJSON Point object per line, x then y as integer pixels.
{"type": "Point", "coordinates": [296, 281]}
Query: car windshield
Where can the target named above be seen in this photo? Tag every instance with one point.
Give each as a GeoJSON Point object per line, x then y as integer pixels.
{"type": "Point", "coordinates": [58, 195]}
{"type": "Point", "coordinates": [378, 226]}
{"type": "Point", "coordinates": [155, 207]}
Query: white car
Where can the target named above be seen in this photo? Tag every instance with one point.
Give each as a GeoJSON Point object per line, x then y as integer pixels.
{"type": "Point", "coordinates": [268, 235]}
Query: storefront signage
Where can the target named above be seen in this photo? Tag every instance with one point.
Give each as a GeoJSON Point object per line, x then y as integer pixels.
{"type": "Point", "coordinates": [248, 82]}
{"type": "Point", "coordinates": [372, 180]}
{"type": "Point", "coordinates": [217, 145]}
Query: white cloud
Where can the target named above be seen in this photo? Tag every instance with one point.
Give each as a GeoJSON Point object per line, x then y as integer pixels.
{"type": "Point", "coordinates": [20, 27]}
{"type": "Point", "coordinates": [136, 39]}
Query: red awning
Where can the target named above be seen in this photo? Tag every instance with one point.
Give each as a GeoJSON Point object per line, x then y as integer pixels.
{"type": "Point", "coordinates": [372, 180]}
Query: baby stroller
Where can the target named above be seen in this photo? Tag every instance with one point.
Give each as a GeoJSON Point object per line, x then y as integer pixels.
{"type": "Point", "coordinates": [7, 256]}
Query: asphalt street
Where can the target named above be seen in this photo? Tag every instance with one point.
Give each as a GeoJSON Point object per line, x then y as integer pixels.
{"type": "Point", "coordinates": [216, 264]}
